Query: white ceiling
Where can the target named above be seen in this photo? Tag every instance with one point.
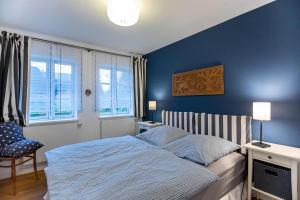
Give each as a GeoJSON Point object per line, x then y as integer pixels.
{"type": "Point", "coordinates": [162, 22]}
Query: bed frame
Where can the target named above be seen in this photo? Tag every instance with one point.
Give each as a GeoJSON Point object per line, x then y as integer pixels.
{"type": "Point", "coordinates": [236, 129]}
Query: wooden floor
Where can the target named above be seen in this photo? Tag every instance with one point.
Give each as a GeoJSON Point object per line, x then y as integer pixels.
{"type": "Point", "coordinates": [28, 188]}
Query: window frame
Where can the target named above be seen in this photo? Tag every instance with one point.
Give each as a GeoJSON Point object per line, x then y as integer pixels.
{"type": "Point", "coordinates": [113, 66]}
{"type": "Point", "coordinates": [50, 67]}
{"type": "Point", "coordinates": [73, 70]}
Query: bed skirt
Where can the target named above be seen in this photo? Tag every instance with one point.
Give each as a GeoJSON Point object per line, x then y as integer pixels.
{"type": "Point", "coordinates": [237, 193]}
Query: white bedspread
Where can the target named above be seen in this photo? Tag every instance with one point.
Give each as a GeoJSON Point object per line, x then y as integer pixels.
{"type": "Point", "coordinates": [122, 168]}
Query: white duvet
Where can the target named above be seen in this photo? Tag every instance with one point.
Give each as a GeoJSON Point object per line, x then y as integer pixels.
{"type": "Point", "coordinates": [122, 168]}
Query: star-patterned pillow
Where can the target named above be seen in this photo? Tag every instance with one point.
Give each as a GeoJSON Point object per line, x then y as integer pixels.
{"type": "Point", "coordinates": [20, 148]}
{"type": "Point", "coordinates": [10, 132]}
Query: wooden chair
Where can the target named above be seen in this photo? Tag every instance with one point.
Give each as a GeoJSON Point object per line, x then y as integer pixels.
{"type": "Point", "coordinates": [14, 146]}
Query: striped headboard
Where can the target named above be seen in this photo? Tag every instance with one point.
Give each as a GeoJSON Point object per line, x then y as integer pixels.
{"type": "Point", "coordinates": [182, 120]}
{"type": "Point", "coordinates": [230, 127]}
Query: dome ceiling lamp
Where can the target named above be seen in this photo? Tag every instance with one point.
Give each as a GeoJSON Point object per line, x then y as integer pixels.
{"type": "Point", "coordinates": [123, 12]}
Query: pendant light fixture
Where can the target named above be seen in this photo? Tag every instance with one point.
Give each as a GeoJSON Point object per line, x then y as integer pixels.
{"type": "Point", "coordinates": [123, 12]}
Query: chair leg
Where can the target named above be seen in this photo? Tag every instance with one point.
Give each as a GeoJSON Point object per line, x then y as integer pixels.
{"type": "Point", "coordinates": [35, 166]}
{"type": "Point", "coordinates": [13, 173]}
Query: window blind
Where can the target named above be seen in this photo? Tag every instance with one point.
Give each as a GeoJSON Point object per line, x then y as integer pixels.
{"type": "Point", "coordinates": [55, 81]}
{"type": "Point", "coordinates": [114, 84]}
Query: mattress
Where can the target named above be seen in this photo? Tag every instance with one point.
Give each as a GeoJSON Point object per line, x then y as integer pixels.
{"type": "Point", "coordinates": [231, 172]}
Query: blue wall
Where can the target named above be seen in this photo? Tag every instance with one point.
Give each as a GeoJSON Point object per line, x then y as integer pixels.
{"type": "Point", "coordinates": [260, 51]}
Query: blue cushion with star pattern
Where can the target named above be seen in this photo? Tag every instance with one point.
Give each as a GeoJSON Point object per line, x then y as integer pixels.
{"type": "Point", "coordinates": [20, 148]}
{"type": "Point", "coordinates": [10, 132]}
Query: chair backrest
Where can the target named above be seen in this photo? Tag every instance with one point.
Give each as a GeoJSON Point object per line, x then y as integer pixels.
{"type": "Point", "coordinates": [10, 132]}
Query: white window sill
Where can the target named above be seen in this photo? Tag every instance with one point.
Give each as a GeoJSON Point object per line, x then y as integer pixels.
{"type": "Point", "coordinates": [52, 122]}
{"type": "Point", "coordinates": [108, 117]}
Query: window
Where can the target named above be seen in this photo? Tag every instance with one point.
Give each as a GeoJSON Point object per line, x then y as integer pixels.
{"type": "Point", "coordinates": [55, 82]}
{"type": "Point", "coordinates": [114, 85]}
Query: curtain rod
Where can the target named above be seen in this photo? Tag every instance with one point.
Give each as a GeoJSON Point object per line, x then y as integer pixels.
{"type": "Point", "coordinates": [80, 47]}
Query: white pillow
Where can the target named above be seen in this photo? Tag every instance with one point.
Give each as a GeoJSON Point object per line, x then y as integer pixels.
{"type": "Point", "coordinates": [162, 135]}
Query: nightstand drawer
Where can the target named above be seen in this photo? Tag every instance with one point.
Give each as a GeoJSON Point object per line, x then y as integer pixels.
{"type": "Point", "coordinates": [272, 159]}
{"type": "Point", "coordinates": [273, 179]}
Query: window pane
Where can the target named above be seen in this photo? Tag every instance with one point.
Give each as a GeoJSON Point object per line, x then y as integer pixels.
{"type": "Point", "coordinates": [39, 91]}
{"type": "Point", "coordinates": [64, 91]}
{"type": "Point", "coordinates": [105, 74]}
{"type": "Point", "coordinates": [123, 99]}
{"type": "Point", "coordinates": [114, 84]}
{"type": "Point", "coordinates": [105, 90]}
{"type": "Point", "coordinates": [73, 58]}
{"type": "Point", "coordinates": [55, 85]}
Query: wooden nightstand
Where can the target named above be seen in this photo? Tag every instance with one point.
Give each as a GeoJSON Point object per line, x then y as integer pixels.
{"type": "Point", "coordinates": [146, 125]}
{"type": "Point", "coordinates": [278, 155]}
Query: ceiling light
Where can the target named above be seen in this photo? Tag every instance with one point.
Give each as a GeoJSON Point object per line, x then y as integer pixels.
{"type": "Point", "coordinates": [123, 12]}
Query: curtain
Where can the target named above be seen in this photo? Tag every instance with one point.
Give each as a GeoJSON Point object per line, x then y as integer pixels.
{"type": "Point", "coordinates": [13, 77]}
{"type": "Point", "coordinates": [139, 75]}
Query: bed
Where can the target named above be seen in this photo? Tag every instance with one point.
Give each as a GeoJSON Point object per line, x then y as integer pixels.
{"type": "Point", "coordinates": [129, 168]}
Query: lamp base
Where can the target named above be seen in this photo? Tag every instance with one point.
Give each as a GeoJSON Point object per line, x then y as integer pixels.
{"type": "Point", "coordinates": [261, 145]}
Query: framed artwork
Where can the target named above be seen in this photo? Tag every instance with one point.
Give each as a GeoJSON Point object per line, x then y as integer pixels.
{"type": "Point", "coordinates": [204, 81]}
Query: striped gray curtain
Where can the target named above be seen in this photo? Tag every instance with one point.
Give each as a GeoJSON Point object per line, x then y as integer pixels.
{"type": "Point", "coordinates": [13, 77]}
{"type": "Point", "coordinates": [139, 75]}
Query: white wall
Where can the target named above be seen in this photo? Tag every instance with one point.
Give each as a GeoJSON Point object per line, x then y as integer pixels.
{"type": "Point", "coordinates": [88, 126]}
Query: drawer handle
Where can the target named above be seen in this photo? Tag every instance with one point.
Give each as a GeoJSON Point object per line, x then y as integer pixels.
{"type": "Point", "coordinates": [270, 157]}
{"type": "Point", "coordinates": [271, 172]}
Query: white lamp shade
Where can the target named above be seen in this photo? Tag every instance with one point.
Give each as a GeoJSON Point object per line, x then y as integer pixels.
{"type": "Point", "coordinates": [152, 105]}
{"type": "Point", "coordinates": [123, 12]}
{"type": "Point", "coordinates": [262, 111]}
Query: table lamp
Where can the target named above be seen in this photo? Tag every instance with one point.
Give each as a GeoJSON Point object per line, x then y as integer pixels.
{"type": "Point", "coordinates": [261, 112]}
{"type": "Point", "coordinates": [152, 107]}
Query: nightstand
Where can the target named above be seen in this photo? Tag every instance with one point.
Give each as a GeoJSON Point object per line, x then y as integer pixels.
{"type": "Point", "coordinates": [279, 161]}
{"type": "Point", "coordinates": [146, 125]}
